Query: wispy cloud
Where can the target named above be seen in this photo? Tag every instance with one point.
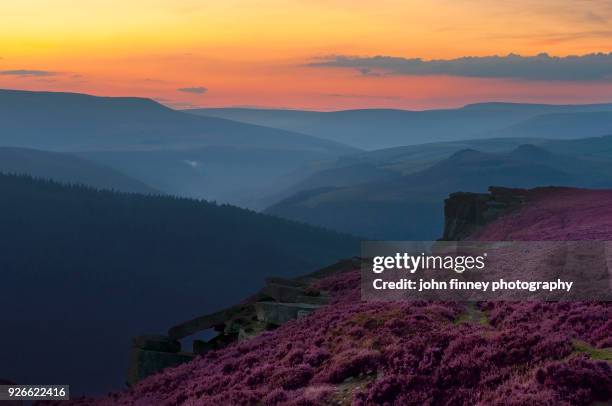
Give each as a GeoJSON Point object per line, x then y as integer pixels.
{"type": "Point", "coordinates": [28, 72]}
{"type": "Point", "coordinates": [591, 67]}
{"type": "Point", "coordinates": [194, 90]}
{"type": "Point", "coordinates": [193, 164]}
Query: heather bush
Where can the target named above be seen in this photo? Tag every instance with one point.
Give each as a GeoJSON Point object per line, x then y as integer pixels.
{"type": "Point", "coordinates": [313, 396]}
{"type": "Point", "coordinates": [575, 381]}
{"type": "Point", "coordinates": [351, 364]}
{"type": "Point", "coordinates": [292, 378]}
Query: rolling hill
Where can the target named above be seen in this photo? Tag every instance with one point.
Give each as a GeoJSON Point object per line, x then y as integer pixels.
{"type": "Point", "coordinates": [77, 122]}
{"type": "Point", "coordinates": [391, 163]}
{"type": "Point", "coordinates": [83, 271]}
{"type": "Point", "coordinates": [386, 164]}
{"type": "Point", "coordinates": [239, 176]}
{"type": "Point", "coordinates": [409, 206]}
{"type": "Point", "coordinates": [561, 126]}
{"type": "Point", "coordinates": [66, 168]}
{"type": "Point", "coordinates": [383, 128]}
{"type": "Point", "coordinates": [174, 152]}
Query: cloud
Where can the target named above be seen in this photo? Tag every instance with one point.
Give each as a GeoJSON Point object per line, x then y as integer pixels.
{"type": "Point", "coordinates": [27, 72]}
{"type": "Point", "coordinates": [368, 72]}
{"type": "Point", "coordinates": [593, 17]}
{"type": "Point", "coordinates": [194, 90]}
{"type": "Point", "coordinates": [591, 67]}
{"type": "Point", "coordinates": [193, 164]}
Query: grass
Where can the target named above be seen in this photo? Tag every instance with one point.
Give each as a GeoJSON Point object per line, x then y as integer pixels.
{"type": "Point", "coordinates": [472, 314]}
{"type": "Point", "coordinates": [604, 354]}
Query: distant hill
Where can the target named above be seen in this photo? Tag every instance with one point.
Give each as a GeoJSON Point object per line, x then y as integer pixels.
{"type": "Point", "coordinates": [562, 125]}
{"type": "Point", "coordinates": [385, 128]}
{"type": "Point", "coordinates": [391, 163]}
{"type": "Point", "coordinates": [174, 152]}
{"type": "Point", "coordinates": [409, 206]}
{"type": "Point", "coordinates": [76, 122]}
{"type": "Point", "coordinates": [235, 175]}
{"type": "Point", "coordinates": [535, 108]}
{"type": "Point", "coordinates": [387, 164]}
{"type": "Point", "coordinates": [83, 271]}
{"type": "Point", "coordinates": [69, 169]}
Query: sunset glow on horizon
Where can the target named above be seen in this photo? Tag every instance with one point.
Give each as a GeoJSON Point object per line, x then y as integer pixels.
{"type": "Point", "coordinates": [189, 53]}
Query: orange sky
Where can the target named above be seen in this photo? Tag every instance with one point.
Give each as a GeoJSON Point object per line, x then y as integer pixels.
{"type": "Point", "coordinates": [252, 53]}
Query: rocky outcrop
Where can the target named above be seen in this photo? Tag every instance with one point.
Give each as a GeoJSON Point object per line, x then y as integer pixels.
{"type": "Point", "coordinates": [215, 320]}
{"type": "Point", "coordinates": [145, 363]}
{"type": "Point", "coordinates": [280, 301]}
{"type": "Point", "coordinates": [465, 213]}
{"type": "Point", "coordinates": [156, 343]}
{"type": "Point", "coordinates": [153, 353]}
{"type": "Point", "coordinates": [277, 314]}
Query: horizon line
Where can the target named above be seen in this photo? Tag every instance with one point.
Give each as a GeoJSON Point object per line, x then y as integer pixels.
{"type": "Point", "coordinates": [305, 109]}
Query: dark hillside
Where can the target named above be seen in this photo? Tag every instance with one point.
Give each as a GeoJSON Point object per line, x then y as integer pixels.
{"type": "Point", "coordinates": [66, 168]}
{"type": "Point", "coordinates": [84, 270]}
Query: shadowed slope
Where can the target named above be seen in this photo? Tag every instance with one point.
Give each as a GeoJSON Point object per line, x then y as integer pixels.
{"type": "Point", "coordinates": [66, 168]}
{"type": "Point", "coordinates": [83, 271]}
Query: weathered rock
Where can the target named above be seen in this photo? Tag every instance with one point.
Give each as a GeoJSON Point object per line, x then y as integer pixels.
{"type": "Point", "coordinates": [205, 322]}
{"type": "Point", "coordinates": [320, 300]}
{"type": "Point", "coordinates": [156, 343]}
{"type": "Point", "coordinates": [248, 332]}
{"type": "Point", "coordinates": [280, 313]}
{"type": "Point", "coordinates": [280, 301]}
{"type": "Point", "coordinates": [283, 293]}
{"type": "Point", "coordinates": [466, 212]}
{"type": "Point", "coordinates": [144, 363]}
{"type": "Point", "coordinates": [233, 326]}
{"type": "Point", "coordinates": [215, 343]}
{"type": "Point", "coordinates": [202, 347]}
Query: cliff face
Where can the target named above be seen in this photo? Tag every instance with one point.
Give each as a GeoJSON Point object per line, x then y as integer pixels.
{"type": "Point", "coordinates": [466, 213]}
{"type": "Point", "coordinates": [545, 213]}
{"type": "Point", "coordinates": [414, 353]}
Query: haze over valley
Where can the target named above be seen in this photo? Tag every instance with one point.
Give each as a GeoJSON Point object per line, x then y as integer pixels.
{"type": "Point", "coordinates": [127, 214]}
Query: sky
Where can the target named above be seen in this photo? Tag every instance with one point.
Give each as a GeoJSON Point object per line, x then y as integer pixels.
{"type": "Point", "coordinates": [312, 54]}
